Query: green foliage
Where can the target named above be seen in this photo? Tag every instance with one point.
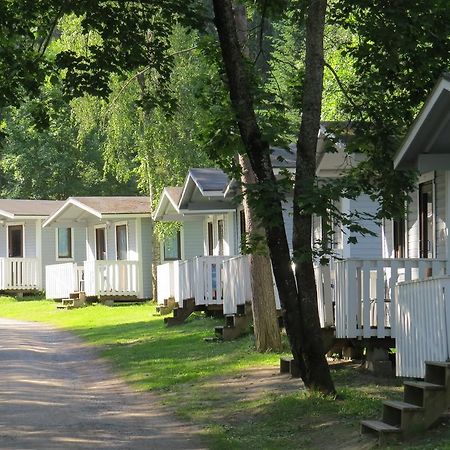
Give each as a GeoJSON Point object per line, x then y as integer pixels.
{"type": "Point", "coordinates": [52, 161]}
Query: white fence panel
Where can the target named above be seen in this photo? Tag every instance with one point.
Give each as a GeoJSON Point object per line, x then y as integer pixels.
{"type": "Point", "coordinates": [165, 281]}
{"type": "Point", "coordinates": [20, 273]}
{"type": "Point", "coordinates": [365, 294]}
{"type": "Point", "coordinates": [236, 283]}
{"type": "Point", "coordinates": [60, 280]}
{"type": "Point", "coordinates": [422, 322]}
{"type": "Point", "coordinates": [109, 278]}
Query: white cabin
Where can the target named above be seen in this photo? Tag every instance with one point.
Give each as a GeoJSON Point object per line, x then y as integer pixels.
{"type": "Point", "coordinates": [26, 248]}
{"type": "Point", "coordinates": [117, 257]}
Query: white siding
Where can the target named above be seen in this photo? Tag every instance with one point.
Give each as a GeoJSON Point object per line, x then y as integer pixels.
{"type": "Point", "coordinates": [30, 239]}
{"type": "Point", "coordinates": [193, 237]}
{"type": "Point", "coordinates": [79, 245]}
{"type": "Point", "coordinates": [367, 246]}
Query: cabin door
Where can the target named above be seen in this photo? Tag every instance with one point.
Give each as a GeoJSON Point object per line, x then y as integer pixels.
{"type": "Point", "coordinates": [426, 220]}
{"type": "Point", "coordinates": [210, 239]}
{"type": "Point", "coordinates": [15, 241]}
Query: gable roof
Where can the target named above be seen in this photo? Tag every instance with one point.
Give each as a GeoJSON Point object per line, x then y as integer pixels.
{"type": "Point", "coordinates": [430, 131]}
{"type": "Point", "coordinates": [169, 200]}
{"type": "Point", "coordinates": [12, 208]}
{"type": "Point", "coordinates": [77, 208]}
{"type": "Point", "coordinates": [209, 180]}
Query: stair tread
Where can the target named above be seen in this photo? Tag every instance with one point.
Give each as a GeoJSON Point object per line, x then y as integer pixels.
{"type": "Point", "coordinates": [378, 425]}
{"type": "Point", "coordinates": [401, 405]}
{"type": "Point", "coordinates": [438, 363]}
{"type": "Point", "coordinates": [424, 385]}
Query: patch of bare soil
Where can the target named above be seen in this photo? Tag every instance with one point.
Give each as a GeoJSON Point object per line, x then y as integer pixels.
{"type": "Point", "coordinates": [57, 394]}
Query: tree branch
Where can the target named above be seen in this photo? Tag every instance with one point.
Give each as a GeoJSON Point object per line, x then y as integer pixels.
{"type": "Point", "coordinates": [137, 75]}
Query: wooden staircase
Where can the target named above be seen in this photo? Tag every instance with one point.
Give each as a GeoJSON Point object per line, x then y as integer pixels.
{"type": "Point", "coordinates": [423, 404]}
{"type": "Point", "coordinates": [235, 324]}
{"type": "Point", "coordinates": [181, 314]}
{"type": "Point", "coordinates": [75, 300]}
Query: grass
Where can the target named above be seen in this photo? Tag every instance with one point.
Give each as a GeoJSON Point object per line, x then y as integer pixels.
{"type": "Point", "coordinates": [190, 376]}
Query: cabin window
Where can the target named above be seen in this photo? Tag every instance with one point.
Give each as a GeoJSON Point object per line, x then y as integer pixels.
{"type": "Point", "coordinates": [121, 242]}
{"type": "Point", "coordinates": [220, 235]}
{"type": "Point", "coordinates": [210, 239]}
{"type": "Point", "coordinates": [100, 244]}
{"type": "Point", "coordinates": [399, 238]}
{"type": "Point", "coordinates": [172, 247]}
{"type": "Point", "coordinates": [426, 210]}
{"type": "Point", "coordinates": [64, 243]}
{"type": "Point", "coordinates": [15, 241]}
{"type": "Point", "coordinates": [242, 228]}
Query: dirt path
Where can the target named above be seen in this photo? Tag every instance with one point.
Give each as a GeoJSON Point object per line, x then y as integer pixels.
{"type": "Point", "coordinates": [56, 393]}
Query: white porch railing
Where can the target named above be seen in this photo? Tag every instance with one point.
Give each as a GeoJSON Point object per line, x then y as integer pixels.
{"type": "Point", "coordinates": [365, 291]}
{"type": "Point", "coordinates": [109, 278]}
{"type": "Point", "coordinates": [166, 281]}
{"type": "Point", "coordinates": [199, 278]}
{"type": "Point", "coordinates": [62, 279]}
{"type": "Point", "coordinates": [237, 286]}
{"type": "Point", "coordinates": [422, 324]}
{"type": "Point", "coordinates": [20, 274]}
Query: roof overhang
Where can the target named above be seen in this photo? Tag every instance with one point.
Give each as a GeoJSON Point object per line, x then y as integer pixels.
{"type": "Point", "coordinates": [167, 209]}
{"type": "Point", "coordinates": [426, 146]}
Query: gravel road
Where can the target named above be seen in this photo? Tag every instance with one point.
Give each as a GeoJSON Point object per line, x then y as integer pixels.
{"type": "Point", "coordinates": [57, 393]}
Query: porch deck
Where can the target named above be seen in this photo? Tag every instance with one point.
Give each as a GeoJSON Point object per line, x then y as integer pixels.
{"type": "Point", "coordinates": [20, 274]}
{"type": "Point", "coordinates": [96, 278]}
{"type": "Point", "coordinates": [200, 278]}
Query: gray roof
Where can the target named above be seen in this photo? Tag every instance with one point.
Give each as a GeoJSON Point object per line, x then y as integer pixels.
{"type": "Point", "coordinates": [174, 193]}
{"type": "Point", "coordinates": [210, 179]}
{"type": "Point", "coordinates": [117, 205]}
{"type": "Point", "coordinates": [29, 207]}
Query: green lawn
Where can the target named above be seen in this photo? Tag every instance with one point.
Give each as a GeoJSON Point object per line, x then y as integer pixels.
{"type": "Point", "coordinates": [188, 374]}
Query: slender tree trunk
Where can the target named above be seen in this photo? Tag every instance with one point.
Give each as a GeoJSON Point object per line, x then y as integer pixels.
{"type": "Point", "coordinates": [258, 151]}
{"type": "Point", "coordinates": [156, 252]}
{"type": "Point", "coordinates": [315, 360]}
{"type": "Point", "coordinates": [265, 322]}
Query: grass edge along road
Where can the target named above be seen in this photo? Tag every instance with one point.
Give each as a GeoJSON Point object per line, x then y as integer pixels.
{"type": "Point", "coordinates": [193, 377]}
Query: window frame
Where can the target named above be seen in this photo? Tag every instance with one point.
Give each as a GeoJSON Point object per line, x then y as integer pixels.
{"type": "Point", "coordinates": [104, 228]}
{"type": "Point", "coordinates": [64, 258]}
{"type": "Point", "coordinates": [121, 224]}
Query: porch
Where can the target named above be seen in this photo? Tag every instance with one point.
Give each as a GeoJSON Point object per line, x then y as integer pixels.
{"type": "Point", "coordinates": [103, 278]}
{"type": "Point", "coordinates": [200, 278]}
{"type": "Point", "coordinates": [20, 274]}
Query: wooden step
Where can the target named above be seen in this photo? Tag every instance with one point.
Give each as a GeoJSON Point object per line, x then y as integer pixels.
{"type": "Point", "coordinates": [424, 385]}
{"type": "Point", "coordinates": [379, 426]}
{"type": "Point", "coordinates": [402, 406]}
{"type": "Point", "coordinates": [382, 431]}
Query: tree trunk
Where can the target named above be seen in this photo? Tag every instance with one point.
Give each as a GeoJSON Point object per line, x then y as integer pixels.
{"type": "Point", "coordinates": [265, 321]}
{"type": "Point", "coordinates": [258, 151]}
{"type": "Point", "coordinates": [315, 360]}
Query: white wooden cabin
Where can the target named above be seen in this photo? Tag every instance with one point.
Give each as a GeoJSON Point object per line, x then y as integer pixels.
{"type": "Point", "coordinates": [192, 260]}
{"type": "Point", "coordinates": [422, 309]}
{"type": "Point", "coordinates": [26, 248]}
{"type": "Point", "coordinates": [117, 247]}
{"type": "Point", "coordinates": [206, 204]}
